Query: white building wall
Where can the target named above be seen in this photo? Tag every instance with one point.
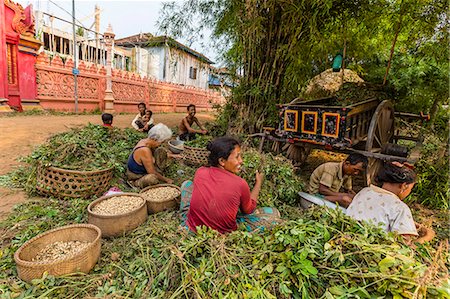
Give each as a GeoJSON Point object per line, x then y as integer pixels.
{"type": "Point", "coordinates": [178, 68]}
{"type": "Point", "coordinates": [203, 76]}
{"type": "Point", "coordinates": [171, 65]}
{"type": "Point", "coordinates": [155, 67]}
{"type": "Point", "coordinates": [141, 61]}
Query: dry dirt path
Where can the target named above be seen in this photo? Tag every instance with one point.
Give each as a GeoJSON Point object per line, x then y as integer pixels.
{"type": "Point", "coordinates": [20, 134]}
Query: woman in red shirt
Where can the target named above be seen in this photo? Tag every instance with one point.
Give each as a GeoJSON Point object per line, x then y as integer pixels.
{"type": "Point", "coordinates": [218, 196]}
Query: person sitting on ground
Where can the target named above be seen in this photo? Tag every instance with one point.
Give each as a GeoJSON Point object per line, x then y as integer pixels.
{"type": "Point", "coordinates": [147, 121]}
{"type": "Point", "coordinates": [141, 169]}
{"type": "Point", "coordinates": [138, 118]}
{"type": "Point", "coordinates": [327, 180]}
{"type": "Point", "coordinates": [385, 205]}
{"type": "Point", "coordinates": [186, 132]}
{"type": "Point", "coordinates": [107, 119]}
{"type": "Point", "coordinates": [220, 199]}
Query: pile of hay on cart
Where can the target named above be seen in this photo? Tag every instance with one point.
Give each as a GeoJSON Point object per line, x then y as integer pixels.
{"type": "Point", "coordinates": [329, 82]}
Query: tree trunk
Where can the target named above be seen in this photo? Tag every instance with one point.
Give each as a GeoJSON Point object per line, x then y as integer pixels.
{"type": "Point", "coordinates": [344, 52]}
{"type": "Point", "coordinates": [434, 110]}
{"type": "Point", "coordinates": [397, 31]}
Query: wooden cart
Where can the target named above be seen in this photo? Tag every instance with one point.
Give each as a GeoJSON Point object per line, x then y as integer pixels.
{"type": "Point", "coordinates": [366, 127]}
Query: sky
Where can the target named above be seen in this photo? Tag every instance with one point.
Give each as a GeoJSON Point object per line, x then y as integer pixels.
{"type": "Point", "coordinates": [126, 17]}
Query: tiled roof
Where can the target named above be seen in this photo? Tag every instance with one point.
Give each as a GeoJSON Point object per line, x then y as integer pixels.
{"type": "Point", "coordinates": [133, 40]}
{"type": "Point", "coordinates": [146, 40]}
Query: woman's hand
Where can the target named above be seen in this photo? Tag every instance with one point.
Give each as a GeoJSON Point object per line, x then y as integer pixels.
{"type": "Point", "coordinates": [426, 234]}
{"type": "Point", "coordinates": [259, 180]}
{"type": "Point", "coordinates": [259, 176]}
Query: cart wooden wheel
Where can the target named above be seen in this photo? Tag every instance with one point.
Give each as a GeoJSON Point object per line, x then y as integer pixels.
{"type": "Point", "coordinates": [381, 131]}
{"type": "Point", "coordinates": [276, 147]}
{"type": "Point", "coordinates": [297, 153]}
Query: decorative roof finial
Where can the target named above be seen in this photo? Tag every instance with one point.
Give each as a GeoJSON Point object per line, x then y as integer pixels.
{"type": "Point", "coordinates": [109, 29]}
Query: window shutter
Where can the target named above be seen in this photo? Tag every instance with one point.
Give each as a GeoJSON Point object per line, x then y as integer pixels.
{"type": "Point", "coordinates": [192, 73]}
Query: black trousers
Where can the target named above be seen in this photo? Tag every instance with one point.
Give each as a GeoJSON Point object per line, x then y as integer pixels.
{"type": "Point", "coordinates": [188, 136]}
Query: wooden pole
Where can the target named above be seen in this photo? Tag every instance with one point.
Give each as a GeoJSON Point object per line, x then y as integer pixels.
{"type": "Point", "coordinates": [97, 29]}
{"type": "Point", "coordinates": [75, 59]}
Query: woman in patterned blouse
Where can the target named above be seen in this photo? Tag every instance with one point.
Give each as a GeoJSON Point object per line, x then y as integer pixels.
{"type": "Point", "coordinates": [384, 206]}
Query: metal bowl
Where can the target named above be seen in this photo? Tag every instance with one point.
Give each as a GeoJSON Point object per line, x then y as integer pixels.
{"type": "Point", "coordinates": [176, 146]}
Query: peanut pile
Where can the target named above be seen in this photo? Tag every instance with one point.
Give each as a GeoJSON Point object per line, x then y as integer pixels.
{"type": "Point", "coordinates": [60, 250]}
{"type": "Point", "coordinates": [161, 194]}
{"type": "Point", "coordinates": [117, 205]}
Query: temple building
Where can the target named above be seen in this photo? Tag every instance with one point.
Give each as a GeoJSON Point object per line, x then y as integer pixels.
{"type": "Point", "coordinates": [18, 51]}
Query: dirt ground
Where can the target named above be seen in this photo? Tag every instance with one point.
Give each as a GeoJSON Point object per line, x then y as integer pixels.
{"type": "Point", "coordinates": [20, 134]}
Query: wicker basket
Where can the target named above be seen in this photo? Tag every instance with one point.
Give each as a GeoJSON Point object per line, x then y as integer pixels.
{"type": "Point", "coordinates": [71, 183]}
{"type": "Point", "coordinates": [116, 225]}
{"type": "Point", "coordinates": [195, 156]}
{"type": "Point", "coordinates": [83, 261]}
{"type": "Point", "coordinates": [169, 204]}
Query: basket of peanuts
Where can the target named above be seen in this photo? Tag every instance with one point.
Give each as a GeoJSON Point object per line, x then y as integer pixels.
{"type": "Point", "coordinates": [117, 213]}
{"type": "Point", "coordinates": [161, 197]}
{"type": "Point", "coordinates": [69, 249]}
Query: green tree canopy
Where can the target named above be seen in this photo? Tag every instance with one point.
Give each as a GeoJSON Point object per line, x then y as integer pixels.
{"type": "Point", "coordinates": [275, 46]}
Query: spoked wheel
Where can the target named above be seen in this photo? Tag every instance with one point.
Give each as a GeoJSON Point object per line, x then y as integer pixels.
{"type": "Point", "coordinates": [381, 131]}
{"type": "Point", "coordinates": [276, 147]}
{"type": "Point", "coordinates": [297, 153]}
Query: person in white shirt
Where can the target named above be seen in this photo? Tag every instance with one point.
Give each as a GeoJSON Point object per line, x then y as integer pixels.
{"type": "Point", "coordinates": [147, 122]}
{"type": "Point", "coordinates": [139, 122]}
{"type": "Point", "coordinates": [384, 206]}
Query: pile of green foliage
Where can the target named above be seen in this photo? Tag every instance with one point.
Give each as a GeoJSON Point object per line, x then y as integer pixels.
{"type": "Point", "coordinates": [322, 254]}
{"type": "Point", "coordinates": [312, 254]}
{"type": "Point", "coordinates": [92, 147]}
{"type": "Point", "coordinates": [179, 172]}
{"type": "Point", "coordinates": [201, 141]}
{"type": "Point", "coordinates": [318, 253]}
{"type": "Point", "coordinates": [432, 188]}
{"type": "Point", "coordinates": [280, 185]}
{"type": "Point", "coordinates": [354, 92]}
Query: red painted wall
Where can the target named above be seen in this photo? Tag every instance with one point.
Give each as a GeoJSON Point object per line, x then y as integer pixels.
{"type": "Point", "coordinates": [3, 65]}
{"type": "Point", "coordinates": [9, 14]}
{"type": "Point", "coordinates": [55, 82]}
{"type": "Point", "coordinates": [27, 75]}
{"type": "Point", "coordinates": [25, 52]}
